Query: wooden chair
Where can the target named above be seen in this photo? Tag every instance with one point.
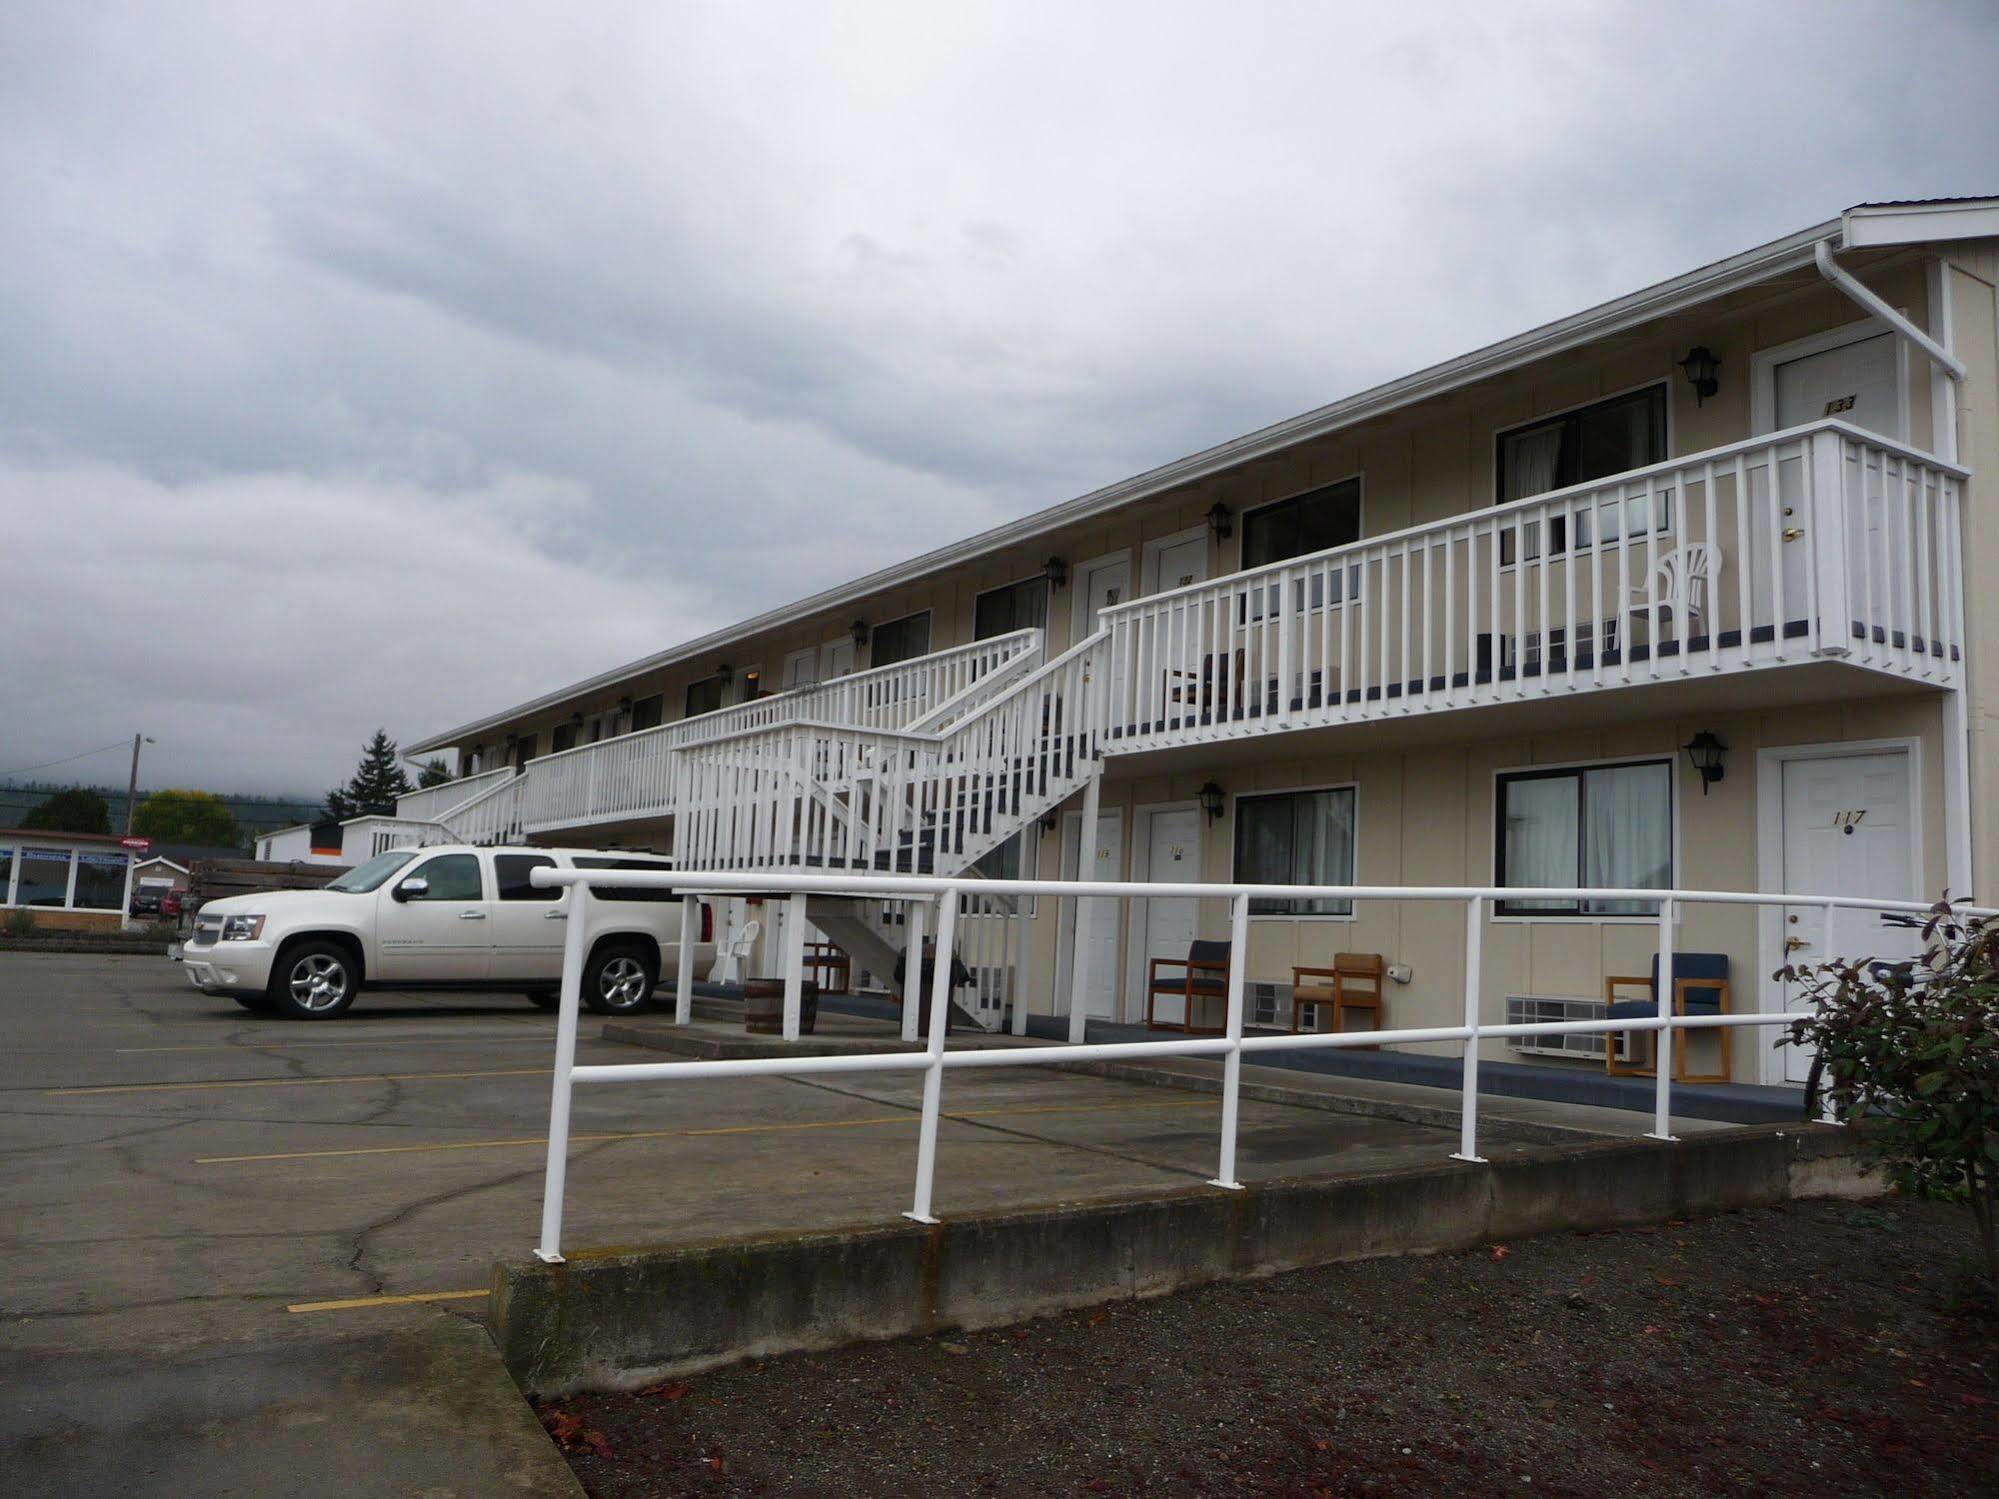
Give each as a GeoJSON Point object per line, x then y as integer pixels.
{"type": "Point", "coordinates": [1204, 976]}
{"type": "Point", "coordinates": [831, 967]}
{"type": "Point", "coordinates": [1202, 691]}
{"type": "Point", "coordinates": [1700, 987]}
{"type": "Point", "coordinates": [1357, 982]}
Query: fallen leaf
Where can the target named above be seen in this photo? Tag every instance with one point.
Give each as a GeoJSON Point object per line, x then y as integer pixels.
{"type": "Point", "coordinates": [1665, 1280]}
{"type": "Point", "coordinates": [667, 1391]}
{"type": "Point", "coordinates": [1098, 1316]}
{"type": "Point", "coordinates": [954, 1347]}
{"type": "Point", "coordinates": [1500, 1252]}
{"type": "Point", "coordinates": [1321, 1445]}
{"type": "Point", "coordinates": [1973, 1400]}
{"type": "Point", "coordinates": [1650, 1328]}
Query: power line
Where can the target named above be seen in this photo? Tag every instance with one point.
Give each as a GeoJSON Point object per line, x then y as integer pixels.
{"type": "Point", "coordinates": [81, 755]}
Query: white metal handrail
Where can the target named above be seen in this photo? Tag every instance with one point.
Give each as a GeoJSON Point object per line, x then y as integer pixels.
{"type": "Point", "coordinates": [934, 1061]}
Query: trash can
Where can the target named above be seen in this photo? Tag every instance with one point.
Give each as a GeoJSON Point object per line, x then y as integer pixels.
{"type": "Point", "coordinates": [763, 1006]}
{"type": "Point", "coordinates": [961, 978]}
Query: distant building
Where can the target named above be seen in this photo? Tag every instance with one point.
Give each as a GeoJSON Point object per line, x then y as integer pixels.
{"type": "Point", "coordinates": [71, 882]}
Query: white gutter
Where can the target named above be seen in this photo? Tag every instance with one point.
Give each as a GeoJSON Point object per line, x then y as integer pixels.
{"type": "Point", "coordinates": [1840, 277]}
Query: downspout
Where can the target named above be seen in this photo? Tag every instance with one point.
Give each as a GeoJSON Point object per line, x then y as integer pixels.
{"type": "Point", "coordinates": [1959, 873]}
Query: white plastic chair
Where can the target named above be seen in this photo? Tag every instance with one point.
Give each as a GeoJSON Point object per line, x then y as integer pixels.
{"type": "Point", "coordinates": [740, 945]}
{"type": "Point", "coordinates": [1679, 589]}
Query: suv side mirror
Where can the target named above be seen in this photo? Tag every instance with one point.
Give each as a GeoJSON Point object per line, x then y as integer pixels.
{"type": "Point", "coordinates": [411, 888]}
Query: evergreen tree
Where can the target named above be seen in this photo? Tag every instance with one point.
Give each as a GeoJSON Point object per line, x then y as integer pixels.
{"type": "Point", "coordinates": [378, 780]}
{"type": "Point", "coordinates": [432, 772]}
{"type": "Point", "coordinates": [72, 811]}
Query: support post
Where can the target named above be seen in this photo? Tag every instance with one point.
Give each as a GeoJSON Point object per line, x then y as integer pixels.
{"type": "Point", "coordinates": [683, 977]}
{"type": "Point", "coordinates": [912, 968]}
{"type": "Point", "coordinates": [554, 1177]}
{"type": "Point", "coordinates": [1232, 1062]}
{"type": "Point", "coordinates": [1662, 1038]}
{"type": "Point", "coordinates": [794, 962]}
{"type": "Point", "coordinates": [1474, 982]}
{"type": "Point", "coordinates": [933, 1075]}
{"type": "Point", "coordinates": [1079, 929]}
{"type": "Point", "coordinates": [1827, 530]}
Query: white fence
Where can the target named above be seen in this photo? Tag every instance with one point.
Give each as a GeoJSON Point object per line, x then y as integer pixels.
{"type": "Point", "coordinates": [1232, 1045]}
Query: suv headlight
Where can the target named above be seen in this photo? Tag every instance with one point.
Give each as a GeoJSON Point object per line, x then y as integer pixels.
{"type": "Point", "coordinates": [242, 928]}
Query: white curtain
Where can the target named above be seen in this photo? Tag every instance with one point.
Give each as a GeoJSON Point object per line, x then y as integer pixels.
{"type": "Point", "coordinates": [1628, 840]}
{"type": "Point", "coordinates": [1541, 824]}
{"type": "Point", "coordinates": [1530, 461]}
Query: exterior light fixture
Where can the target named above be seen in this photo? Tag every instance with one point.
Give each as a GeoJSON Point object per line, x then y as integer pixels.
{"type": "Point", "coordinates": [725, 673]}
{"type": "Point", "coordinates": [1213, 800]}
{"type": "Point", "coordinates": [1221, 521]}
{"type": "Point", "coordinates": [1056, 571]}
{"type": "Point", "coordinates": [1050, 818]}
{"type": "Point", "coordinates": [576, 719]}
{"type": "Point", "coordinates": [859, 630]}
{"type": "Point", "coordinates": [1700, 366]}
{"type": "Point", "coordinates": [1704, 752]}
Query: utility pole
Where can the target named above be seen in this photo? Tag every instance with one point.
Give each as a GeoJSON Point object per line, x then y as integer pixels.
{"type": "Point", "coordinates": [132, 786]}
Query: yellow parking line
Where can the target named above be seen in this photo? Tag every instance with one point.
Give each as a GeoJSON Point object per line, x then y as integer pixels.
{"type": "Point", "coordinates": [725, 1129]}
{"type": "Point", "coordinates": [291, 1082]}
{"type": "Point", "coordinates": [352, 1302]}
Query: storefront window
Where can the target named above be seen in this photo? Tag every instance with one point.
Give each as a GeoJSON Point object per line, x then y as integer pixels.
{"type": "Point", "coordinates": [44, 877]}
{"type": "Point", "coordinates": [100, 882]}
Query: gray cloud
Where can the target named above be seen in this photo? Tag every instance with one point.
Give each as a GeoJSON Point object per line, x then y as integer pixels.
{"type": "Point", "coordinates": [624, 322]}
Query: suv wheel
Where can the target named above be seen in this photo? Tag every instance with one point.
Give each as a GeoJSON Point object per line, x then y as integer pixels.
{"type": "Point", "coordinates": [313, 981]}
{"type": "Point", "coordinates": [617, 981]}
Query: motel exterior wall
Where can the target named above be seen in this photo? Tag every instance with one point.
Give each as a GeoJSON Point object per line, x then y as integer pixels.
{"type": "Point", "coordinates": [1425, 796]}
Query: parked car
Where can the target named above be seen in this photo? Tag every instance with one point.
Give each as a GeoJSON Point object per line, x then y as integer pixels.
{"type": "Point", "coordinates": [146, 900]}
{"type": "Point", "coordinates": [441, 917]}
{"type": "Point", "coordinates": [171, 903]}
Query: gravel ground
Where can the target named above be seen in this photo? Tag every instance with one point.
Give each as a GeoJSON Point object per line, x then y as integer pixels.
{"type": "Point", "coordinates": [1817, 1349]}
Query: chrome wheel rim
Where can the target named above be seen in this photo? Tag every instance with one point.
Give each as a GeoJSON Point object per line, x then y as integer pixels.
{"type": "Point", "coordinates": [622, 983]}
{"type": "Point", "coordinates": [318, 982]}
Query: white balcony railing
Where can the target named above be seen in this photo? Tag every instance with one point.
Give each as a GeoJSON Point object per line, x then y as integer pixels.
{"type": "Point", "coordinates": [632, 775]}
{"type": "Point", "coordinates": [431, 802]}
{"type": "Point", "coordinates": [1822, 542]}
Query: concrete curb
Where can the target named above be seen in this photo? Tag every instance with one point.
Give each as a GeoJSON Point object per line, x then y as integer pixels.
{"type": "Point", "coordinates": [625, 1317]}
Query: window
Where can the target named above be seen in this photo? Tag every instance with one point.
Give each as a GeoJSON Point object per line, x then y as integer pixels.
{"type": "Point", "coordinates": [647, 712]}
{"type": "Point", "coordinates": [510, 873]}
{"type": "Point", "coordinates": [372, 875]}
{"type": "Point", "coordinates": [1296, 838]}
{"type": "Point", "coordinates": [562, 737]}
{"type": "Point", "coordinates": [100, 882]}
{"type": "Point", "coordinates": [1310, 522]}
{"type": "Point", "coordinates": [524, 749]}
{"type": "Point", "coordinates": [704, 696]}
{"type": "Point", "coordinates": [900, 640]}
{"type": "Point", "coordinates": [1607, 826]}
{"type": "Point", "coordinates": [1591, 442]}
{"type": "Point", "coordinates": [451, 877]}
{"type": "Point", "coordinates": [44, 877]}
{"type": "Point", "coordinates": [1018, 606]}
{"type": "Point", "coordinates": [645, 893]}
{"type": "Point", "coordinates": [6, 873]}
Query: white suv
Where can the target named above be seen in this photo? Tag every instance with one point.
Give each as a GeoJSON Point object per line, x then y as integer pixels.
{"type": "Point", "coordinates": [454, 916]}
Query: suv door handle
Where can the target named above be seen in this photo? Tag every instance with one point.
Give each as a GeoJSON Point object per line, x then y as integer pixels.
{"type": "Point", "coordinates": [554, 915]}
{"type": "Point", "coordinates": [471, 915]}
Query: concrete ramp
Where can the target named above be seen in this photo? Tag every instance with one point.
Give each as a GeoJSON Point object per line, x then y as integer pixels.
{"type": "Point", "coordinates": [623, 1318]}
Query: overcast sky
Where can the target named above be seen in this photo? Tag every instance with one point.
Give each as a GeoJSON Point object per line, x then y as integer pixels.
{"type": "Point", "coordinates": [388, 364]}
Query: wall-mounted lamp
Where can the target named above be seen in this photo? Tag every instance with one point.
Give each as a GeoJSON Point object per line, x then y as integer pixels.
{"type": "Point", "coordinates": [576, 720]}
{"type": "Point", "coordinates": [753, 683]}
{"type": "Point", "coordinates": [1056, 571]}
{"type": "Point", "coordinates": [1700, 366]}
{"type": "Point", "coordinates": [625, 703]}
{"type": "Point", "coordinates": [1221, 521]}
{"type": "Point", "coordinates": [1704, 752]}
{"type": "Point", "coordinates": [1049, 818]}
{"type": "Point", "coordinates": [725, 673]}
{"type": "Point", "coordinates": [859, 630]}
{"type": "Point", "coordinates": [1213, 800]}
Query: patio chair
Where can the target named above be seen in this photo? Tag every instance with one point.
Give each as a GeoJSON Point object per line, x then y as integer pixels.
{"type": "Point", "coordinates": [1700, 987]}
{"type": "Point", "coordinates": [1679, 588]}
{"type": "Point", "coordinates": [1356, 983]}
{"type": "Point", "coordinates": [1217, 686]}
{"type": "Point", "coordinates": [1204, 975]}
{"type": "Point", "coordinates": [829, 967]}
{"type": "Point", "coordinates": [738, 948]}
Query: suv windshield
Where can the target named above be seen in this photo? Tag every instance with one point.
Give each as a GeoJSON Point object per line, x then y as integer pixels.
{"type": "Point", "coordinates": [374, 873]}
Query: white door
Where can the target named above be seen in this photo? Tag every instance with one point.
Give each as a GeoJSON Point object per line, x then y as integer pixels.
{"type": "Point", "coordinates": [526, 923]}
{"type": "Point", "coordinates": [836, 659]}
{"type": "Point", "coordinates": [801, 669]}
{"type": "Point", "coordinates": [1180, 563]}
{"type": "Point", "coordinates": [1100, 972]}
{"type": "Point", "coordinates": [438, 935]}
{"type": "Point", "coordinates": [1105, 584]}
{"type": "Point", "coordinates": [1858, 382]}
{"type": "Point", "coordinates": [1173, 855]}
{"type": "Point", "coordinates": [1846, 832]}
